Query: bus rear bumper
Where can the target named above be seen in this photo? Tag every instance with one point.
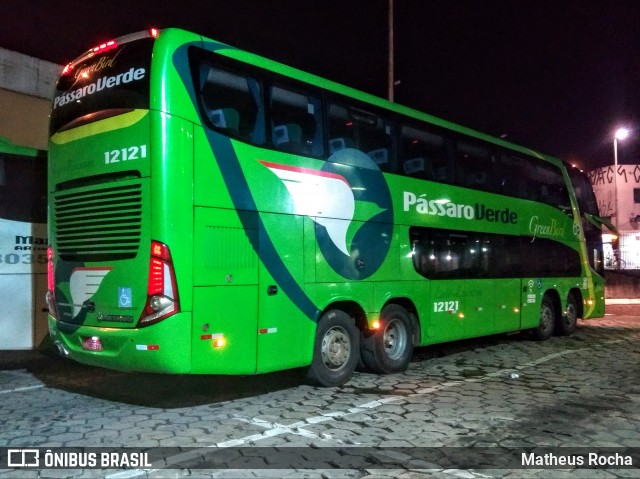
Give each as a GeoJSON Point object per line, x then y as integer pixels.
{"type": "Point", "coordinates": [164, 347]}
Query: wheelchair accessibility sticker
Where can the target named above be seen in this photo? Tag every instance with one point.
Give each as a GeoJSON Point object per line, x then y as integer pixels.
{"type": "Point", "coordinates": [125, 298]}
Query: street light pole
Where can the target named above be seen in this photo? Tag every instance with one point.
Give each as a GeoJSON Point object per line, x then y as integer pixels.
{"type": "Point", "coordinates": [390, 65]}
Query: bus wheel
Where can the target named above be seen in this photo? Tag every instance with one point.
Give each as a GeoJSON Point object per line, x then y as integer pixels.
{"type": "Point", "coordinates": [548, 320]}
{"type": "Point", "coordinates": [568, 323]}
{"type": "Point", "coordinates": [389, 349]}
{"type": "Point", "coordinates": [335, 352]}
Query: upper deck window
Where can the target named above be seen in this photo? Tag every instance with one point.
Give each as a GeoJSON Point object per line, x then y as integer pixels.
{"type": "Point", "coordinates": [232, 102]}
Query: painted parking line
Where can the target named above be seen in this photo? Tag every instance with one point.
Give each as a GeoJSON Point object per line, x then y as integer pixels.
{"type": "Point", "coordinates": [22, 374]}
{"type": "Point", "coordinates": [273, 429]}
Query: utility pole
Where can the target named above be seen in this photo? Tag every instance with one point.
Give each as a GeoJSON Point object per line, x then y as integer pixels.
{"type": "Point", "coordinates": [390, 78]}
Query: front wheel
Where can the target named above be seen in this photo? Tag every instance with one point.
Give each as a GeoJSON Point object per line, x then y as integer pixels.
{"type": "Point", "coordinates": [335, 352]}
{"type": "Point", "coordinates": [548, 320]}
{"type": "Point", "coordinates": [389, 349]}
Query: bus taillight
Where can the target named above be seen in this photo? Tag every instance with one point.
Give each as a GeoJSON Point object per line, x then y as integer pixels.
{"type": "Point", "coordinates": [162, 291]}
{"type": "Point", "coordinates": [51, 284]}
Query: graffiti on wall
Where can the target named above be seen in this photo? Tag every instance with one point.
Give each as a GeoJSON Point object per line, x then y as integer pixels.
{"type": "Point", "coordinates": [602, 179]}
{"type": "Point", "coordinates": [606, 175]}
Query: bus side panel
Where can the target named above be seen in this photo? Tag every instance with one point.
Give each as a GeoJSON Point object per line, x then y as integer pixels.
{"type": "Point", "coordinates": [507, 305]}
{"type": "Point", "coordinates": [209, 188]}
{"type": "Point", "coordinates": [285, 334]}
{"type": "Point", "coordinates": [531, 300]}
{"type": "Point", "coordinates": [447, 320]}
{"type": "Point", "coordinates": [225, 296]}
{"type": "Point", "coordinates": [223, 250]}
{"type": "Point", "coordinates": [598, 289]}
{"type": "Point", "coordinates": [230, 313]}
{"type": "Point", "coordinates": [172, 195]}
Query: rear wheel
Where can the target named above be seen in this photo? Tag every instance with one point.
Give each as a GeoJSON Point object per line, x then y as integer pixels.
{"type": "Point", "coordinates": [335, 351]}
{"type": "Point", "coordinates": [389, 349]}
{"type": "Point", "coordinates": [568, 323]}
{"type": "Point", "coordinates": [548, 319]}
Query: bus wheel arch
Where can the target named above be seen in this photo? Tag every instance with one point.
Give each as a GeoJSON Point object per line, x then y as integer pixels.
{"type": "Point", "coordinates": [389, 349]}
{"type": "Point", "coordinates": [336, 348]}
{"type": "Point", "coordinates": [567, 322]}
{"type": "Point", "coordinates": [550, 310]}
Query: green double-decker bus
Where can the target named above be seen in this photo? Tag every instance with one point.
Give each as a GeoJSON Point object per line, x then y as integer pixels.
{"type": "Point", "coordinates": [215, 212]}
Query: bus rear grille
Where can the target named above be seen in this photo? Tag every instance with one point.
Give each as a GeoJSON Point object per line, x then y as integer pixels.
{"type": "Point", "coordinates": [99, 225]}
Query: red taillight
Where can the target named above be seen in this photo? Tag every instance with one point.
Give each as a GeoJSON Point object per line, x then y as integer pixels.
{"type": "Point", "coordinates": [51, 280]}
{"type": "Point", "coordinates": [162, 291]}
{"type": "Point", "coordinates": [51, 284]}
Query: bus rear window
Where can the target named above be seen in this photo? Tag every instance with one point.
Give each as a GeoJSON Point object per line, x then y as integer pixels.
{"type": "Point", "coordinates": [101, 85]}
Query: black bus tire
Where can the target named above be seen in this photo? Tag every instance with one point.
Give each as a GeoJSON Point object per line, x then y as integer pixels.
{"type": "Point", "coordinates": [548, 320]}
{"type": "Point", "coordinates": [568, 323]}
{"type": "Point", "coordinates": [389, 349]}
{"type": "Point", "coordinates": [335, 350]}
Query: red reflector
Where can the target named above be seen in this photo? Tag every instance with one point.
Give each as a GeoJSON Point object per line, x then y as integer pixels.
{"type": "Point", "coordinates": [147, 347]}
{"type": "Point", "coordinates": [92, 343]}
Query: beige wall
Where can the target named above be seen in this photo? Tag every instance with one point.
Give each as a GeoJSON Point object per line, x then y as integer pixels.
{"type": "Point", "coordinates": [24, 119]}
{"type": "Point", "coordinates": [27, 85]}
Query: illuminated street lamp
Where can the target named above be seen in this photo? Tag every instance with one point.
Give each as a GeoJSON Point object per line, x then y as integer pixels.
{"type": "Point", "coordinates": [621, 134]}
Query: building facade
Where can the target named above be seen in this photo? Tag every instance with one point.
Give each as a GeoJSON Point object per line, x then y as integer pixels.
{"type": "Point", "coordinates": [618, 195]}
{"type": "Point", "coordinates": [26, 89]}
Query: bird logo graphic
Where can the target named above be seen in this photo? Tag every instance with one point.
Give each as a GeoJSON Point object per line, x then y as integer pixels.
{"type": "Point", "coordinates": [324, 197]}
{"type": "Point", "coordinates": [83, 284]}
{"type": "Point", "coordinates": [349, 202]}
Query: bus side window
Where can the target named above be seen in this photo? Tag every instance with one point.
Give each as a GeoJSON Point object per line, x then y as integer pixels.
{"type": "Point", "coordinates": [548, 185]}
{"type": "Point", "coordinates": [296, 122]}
{"type": "Point", "coordinates": [509, 177]}
{"type": "Point", "coordinates": [232, 102]}
{"type": "Point", "coordinates": [475, 166]}
{"type": "Point", "coordinates": [365, 131]}
{"type": "Point", "coordinates": [341, 132]}
{"type": "Point", "coordinates": [424, 155]}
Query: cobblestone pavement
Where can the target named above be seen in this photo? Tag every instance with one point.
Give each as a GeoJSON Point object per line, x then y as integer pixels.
{"type": "Point", "coordinates": [492, 395]}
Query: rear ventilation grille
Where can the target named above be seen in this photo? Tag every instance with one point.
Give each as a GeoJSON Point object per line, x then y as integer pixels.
{"type": "Point", "coordinates": [99, 225]}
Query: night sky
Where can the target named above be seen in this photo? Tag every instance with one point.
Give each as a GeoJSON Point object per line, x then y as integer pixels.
{"type": "Point", "coordinates": [555, 75]}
